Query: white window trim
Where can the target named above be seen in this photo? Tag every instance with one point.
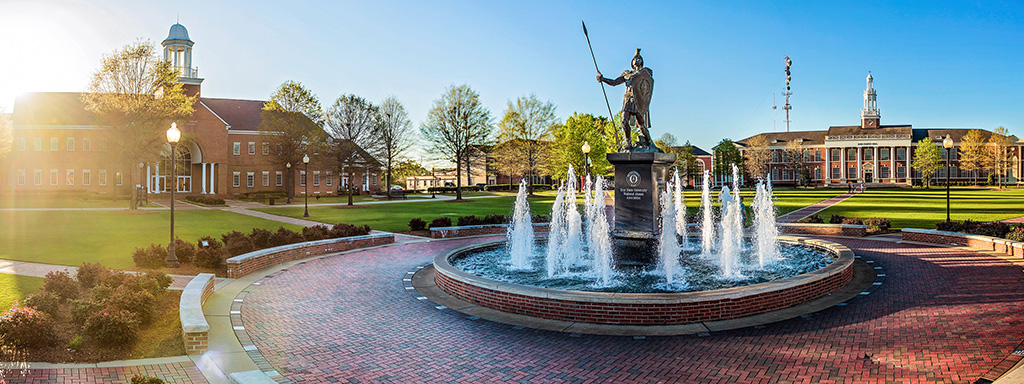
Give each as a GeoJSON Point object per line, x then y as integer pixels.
{"type": "Point", "coordinates": [70, 177]}
{"type": "Point", "coordinates": [54, 144]}
{"type": "Point", "coordinates": [21, 177]}
{"type": "Point", "coordinates": [37, 177]}
{"type": "Point", "coordinates": [86, 144]}
{"type": "Point", "coordinates": [236, 148]}
{"type": "Point", "coordinates": [103, 177]}
{"type": "Point", "coordinates": [252, 148]}
{"type": "Point", "coordinates": [266, 178]}
{"type": "Point", "coordinates": [250, 179]}
{"type": "Point", "coordinates": [54, 176]}
{"type": "Point", "coordinates": [71, 144]}
{"type": "Point", "coordinates": [236, 179]}
{"type": "Point", "coordinates": [86, 177]}
{"type": "Point", "coordinates": [279, 178]}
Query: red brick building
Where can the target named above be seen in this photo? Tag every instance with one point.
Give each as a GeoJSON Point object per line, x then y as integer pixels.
{"type": "Point", "coordinates": [59, 146]}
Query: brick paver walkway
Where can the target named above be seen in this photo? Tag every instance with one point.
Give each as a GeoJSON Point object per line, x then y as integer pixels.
{"type": "Point", "coordinates": [942, 315]}
{"type": "Point", "coordinates": [793, 216]}
{"type": "Point", "coordinates": [178, 373]}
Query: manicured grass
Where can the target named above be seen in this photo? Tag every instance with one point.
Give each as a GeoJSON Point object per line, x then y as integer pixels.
{"type": "Point", "coordinates": [786, 199]}
{"type": "Point", "coordinates": [15, 287]}
{"type": "Point", "coordinates": [61, 202]}
{"type": "Point", "coordinates": [922, 208]}
{"type": "Point", "coordinates": [109, 237]}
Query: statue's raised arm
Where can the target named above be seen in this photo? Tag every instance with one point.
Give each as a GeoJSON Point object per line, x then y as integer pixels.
{"type": "Point", "coordinates": [636, 103]}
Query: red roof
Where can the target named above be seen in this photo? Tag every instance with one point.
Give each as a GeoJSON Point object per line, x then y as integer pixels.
{"type": "Point", "coordinates": [241, 115]}
{"type": "Point", "coordinates": [52, 108]}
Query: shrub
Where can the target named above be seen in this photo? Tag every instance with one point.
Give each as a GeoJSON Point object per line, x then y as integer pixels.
{"type": "Point", "coordinates": [316, 232]}
{"type": "Point", "coordinates": [184, 251]}
{"type": "Point", "coordinates": [853, 220]}
{"type": "Point", "coordinates": [44, 301]}
{"type": "Point", "coordinates": [539, 218]}
{"type": "Point", "coordinates": [468, 220]}
{"type": "Point", "coordinates": [237, 245]}
{"type": "Point", "coordinates": [1016, 234]}
{"type": "Point", "coordinates": [441, 222]}
{"type": "Point", "coordinates": [233, 235]}
{"type": "Point", "coordinates": [155, 283]}
{"type": "Point", "coordinates": [417, 224]}
{"type": "Point", "coordinates": [90, 274]}
{"type": "Point", "coordinates": [204, 200]}
{"type": "Point", "coordinates": [112, 326]}
{"type": "Point", "coordinates": [139, 302]}
{"type": "Point", "coordinates": [348, 230]}
{"type": "Point", "coordinates": [75, 343]}
{"type": "Point", "coordinates": [878, 224]}
{"type": "Point", "coordinates": [82, 309]}
{"type": "Point", "coordinates": [26, 327]}
{"type": "Point", "coordinates": [261, 238]}
{"type": "Point", "coordinates": [210, 243]}
{"type": "Point", "coordinates": [152, 257]}
{"type": "Point", "coordinates": [210, 257]}
{"type": "Point", "coordinates": [140, 379]}
{"type": "Point", "coordinates": [836, 219]}
{"type": "Point", "coordinates": [285, 236]}
{"type": "Point", "coordinates": [812, 219]}
{"type": "Point", "coordinates": [496, 219]}
{"type": "Point", "coordinates": [61, 284]}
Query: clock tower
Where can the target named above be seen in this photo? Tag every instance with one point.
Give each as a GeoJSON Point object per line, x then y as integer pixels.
{"type": "Point", "coordinates": [869, 116]}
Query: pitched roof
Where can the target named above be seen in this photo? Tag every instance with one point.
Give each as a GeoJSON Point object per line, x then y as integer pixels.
{"type": "Point", "coordinates": [52, 108]}
{"type": "Point", "coordinates": [853, 130]}
{"type": "Point", "coordinates": [241, 115]}
{"type": "Point", "coordinates": [937, 134]}
{"type": "Point", "coordinates": [784, 138]}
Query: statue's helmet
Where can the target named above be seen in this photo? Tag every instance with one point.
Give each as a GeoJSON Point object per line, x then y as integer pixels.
{"type": "Point", "coordinates": [638, 61]}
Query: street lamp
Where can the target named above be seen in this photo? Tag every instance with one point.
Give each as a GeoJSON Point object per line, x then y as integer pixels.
{"type": "Point", "coordinates": [288, 193]}
{"type": "Point", "coordinates": [433, 181]}
{"type": "Point", "coordinates": [947, 143]}
{"type": "Point", "coordinates": [586, 153]}
{"type": "Point", "coordinates": [305, 160]}
{"type": "Point", "coordinates": [173, 136]}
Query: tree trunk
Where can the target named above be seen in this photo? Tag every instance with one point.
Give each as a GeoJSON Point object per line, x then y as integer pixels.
{"type": "Point", "coordinates": [458, 178]}
{"type": "Point", "coordinates": [134, 176]}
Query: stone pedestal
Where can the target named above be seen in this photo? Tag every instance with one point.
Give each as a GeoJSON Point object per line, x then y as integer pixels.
{"type": "Point", "coordinates": [639, 180]}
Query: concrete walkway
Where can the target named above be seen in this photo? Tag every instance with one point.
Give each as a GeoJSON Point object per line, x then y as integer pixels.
{"type": "Point", "coordinates": [793, 216]}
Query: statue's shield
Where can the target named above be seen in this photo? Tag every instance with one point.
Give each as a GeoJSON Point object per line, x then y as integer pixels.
{"type": "Point", "coordinates": [642, 86]}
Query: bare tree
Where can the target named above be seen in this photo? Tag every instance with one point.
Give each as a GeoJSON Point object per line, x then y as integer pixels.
{"type": "Point", "coordinates": [353, 122]}
{"type": "Point", "coordinates": [289, 122]}
{"type": "Point", "coordinates": [137, 95]}
{"type": "Point", "coordinates": [395, 132]}
{"type": "Point", "coordinates": [757, 155]}
{"type": "Point", "coordinates": [526, 133]}
{"type": "Point", "coordinates": [456, 122]}
{"type": "Point", "coordinates": [795, 158]}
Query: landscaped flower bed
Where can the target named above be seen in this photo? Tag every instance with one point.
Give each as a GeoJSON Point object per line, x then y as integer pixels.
{"type": "Point", "coordinates": [874, 225]}
{"type": "Point", "coordinates": [993, 229]}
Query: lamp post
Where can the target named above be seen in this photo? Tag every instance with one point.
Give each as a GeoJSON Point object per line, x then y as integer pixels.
{"type": "Point", "coordinates": [433, 181]}
{"type": "Point", "coordinates": [947, 143]}
{"type": "Point", "coordinates": [288, 193]}
{"type": "Point", "coordinates": [305, 160]}
{"type": "Point", "coordinates": [173, 136]}
{"type": "Point", "coordinates": [586, 154]}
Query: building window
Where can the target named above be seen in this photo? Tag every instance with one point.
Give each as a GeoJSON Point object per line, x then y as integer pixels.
{"type": "Point", "coordinates": [250, 179]}
{"type": "Point", "coordinates": [775, 156]}
{"type": "Point", "coordinates": [851, 154]}
{"type": "Point", "coordinates": [278, 148]}
{"type": "Point", "coordinates": [316, 178]}
{"type": "Point", "coordinates": [953, 154]}
{"type": "Point", "coordinates": [21, 144]}
{"type": "Point", "coordinates": [71, 144]}
{"type": "Point", "coordinates": [330, 178]}
{"type": "Point", "coordinates": [54, 144]}
{"type": "Point", "coordinates": [53, 177]}
{"type": "Point", "coordinates": [851, 173]}
{"type": "Point", "coordinates": [37, 177]}
{"type": "Point", "coordinates": [86, 145]}
{"type": "Point", "coordinates": [883, 154]}
{"type": "Point", "coordinates": [817, 172]}
{"type": "Point", "coordinates": [236, 149]}
{"type": "Point", "coordinates": [266, 178]}
{"type": "Point", "coordinates": [869, 153]}
{"type": "Point", "coordinates": [103, 145]}
{"type": "Point", "coordinates": [952, 171]}
{"type": "Point", "coordinates": [884, 172]}
{"type": "Point", "coordinates": [942, 173]}
{"type": "Point", "coordinates": [252, 148]}
{"type": "Point", "coordinates": [901, 154]}
{"type": "Point", "coordinates": [817, 155]}
{"type": "Point", "coordinates": [21, 177]}
{"type": "Point", "coordinates": [834, 154]}
{"type": "Point", "coordinates": [279, 178]}
{"type": "Point", "coordinates": [37, 144]}
{"type": "Point", "coordinates": [86, 177]}
{"type": "Point", "coordinates": [236, 179]}
{"type": "Point", "coordinates": [807, 156]}
{"type": "Point", "coordinates": [266, 148]}
{"type": "Point", "coordinates": [119, 178]}
{"type": "Point", "coordinates": [70, 178]}
{"type": "Point", "coordinates": [374, 179]}
{"type": "Point", "coordinates": [103, 177]}
{"type": "Point", "coordinates": [302, 178]}
{"type": "Point", "coordinates": [901, 171]}
{"type": "Point", "coordinates": [835, 173]}
{"type": "Point", "coordinates": [775, 174]}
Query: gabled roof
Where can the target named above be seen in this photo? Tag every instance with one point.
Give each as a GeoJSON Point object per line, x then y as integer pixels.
{"type": "Point", "coordinates": [853, 130]}
{"type": "Point", "coordinates": [240, 115]}
{"type": "Point", "coordinates": [52, 108]}
{"type": "Point", "coordinates": [937, 134]}
{"type": "Point", "coordinates": [784, 138]}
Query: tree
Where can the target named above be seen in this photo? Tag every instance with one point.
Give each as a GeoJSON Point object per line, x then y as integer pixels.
{"type": "Point", "coordinates": [669, 144]}
{"type": "Point", "coordinates": [973, 155]}
{"type": "Point", "coordinates": [395, 132]}
{"type": "Point", "coordinates": [795, 158]}
{"type": "Point", "coordinates": [287, 125]}
{"type": "Point", "coordinates": [999, 154]}
{"type": "Point", "coordinates": [456, 122]}
{"type": "Point", "coordinates": [688, 162]}
{"type": "Point", "coordinates": [927, 159]}
{"type": "Point", "coordinates": [6, 134]}
{"type": "Point", "coordinates": [569, 139]}
{"type": "Point", "coordinates": [525, 132]}
{"type": "Point", "coordinates": [404, 168]}
{"type": "Point", "coordinates": [137, 96]}
{"type": "Point", "coordinates": [756, 156]}
{"type": "Point", "coordinates": [726, 155]}
{"type": "Point", "coordinates": [354, 123]}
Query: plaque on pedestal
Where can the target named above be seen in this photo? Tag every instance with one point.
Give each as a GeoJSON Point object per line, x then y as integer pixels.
{"type": "Point", "coordinates": [639, 178]}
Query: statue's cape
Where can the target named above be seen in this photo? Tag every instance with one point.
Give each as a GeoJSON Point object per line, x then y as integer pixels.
{"type": "Point", "coordinates": [641, 84]}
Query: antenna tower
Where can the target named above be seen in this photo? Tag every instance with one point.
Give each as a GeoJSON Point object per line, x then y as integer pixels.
{"type": "Point", "coordinates": [787, 93]}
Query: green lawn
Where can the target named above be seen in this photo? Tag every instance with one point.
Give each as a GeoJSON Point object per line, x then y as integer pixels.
{"type": "Point", "coordinates": [14, 287]}
{"type": "Point", "coordinates": [922, 208]}
{"type": "Point", "coordinates": [62, 202]}
{"type": "Point", "coordinates": [109, 237]}
{"type": "Point", "coordinates": [786, 199]}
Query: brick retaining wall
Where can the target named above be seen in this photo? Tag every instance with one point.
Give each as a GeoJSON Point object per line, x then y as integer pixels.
{"type": "Point", "coordinates": [195, 331]}
{"type": "Point", "coordinates": [852, 230]}
{"type": "Point", "coordinates": [247, 263]}
{"type": "Point", "coordinates": [987, 243]}
{"type": "Point", "coordinates": [474, 230]}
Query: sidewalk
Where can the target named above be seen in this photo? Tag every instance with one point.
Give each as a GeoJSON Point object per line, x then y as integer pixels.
{"type": "Point", "coordinates": [792, 217]}
{"type": "Point", "coordinates": [26, 268]}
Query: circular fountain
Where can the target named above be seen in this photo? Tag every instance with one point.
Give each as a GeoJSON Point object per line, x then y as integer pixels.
{"type": "Point", "coordinates": [717, 270]}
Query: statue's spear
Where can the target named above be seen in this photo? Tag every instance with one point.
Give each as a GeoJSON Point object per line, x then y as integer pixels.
{"type": "Point", "coordinates": [610, 115]}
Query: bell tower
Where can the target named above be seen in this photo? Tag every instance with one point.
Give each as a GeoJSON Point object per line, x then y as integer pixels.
{"type": "Point", "coordinates": [869, 116]}
{"type": "Point", "coordinates": [178, 50]}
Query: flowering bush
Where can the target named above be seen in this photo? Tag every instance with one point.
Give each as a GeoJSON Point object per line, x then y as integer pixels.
{"type": "Point", "coordinates": [878, 224]}
{"type": "Point", "coordinates": [90, 274]}
{"type": "Point", "coordinates": [26, 327]}
{"type": "Point", "coordinates": [853, 220]}
{"type": "Point", "coordinates": [112, 326]}
{"type": "Point", "coordinates": [1016, 234]}
{"type": "Point", "coordinates": [138, 302]}
{"type": "Point", "coordinates": [994, 229]}
{"type": "Point", "coordinates": [836, 219]}
{"type": "Point", "coordinates": [812, 219]}
{"type": "Point", "coordinates": [44, 301]}
{"type": "Point", "coordinates": [140, 379]}
{"type": "Point", "coordinates": [82, 309]}
{"type": "Point", "coordinates": [61, 283]}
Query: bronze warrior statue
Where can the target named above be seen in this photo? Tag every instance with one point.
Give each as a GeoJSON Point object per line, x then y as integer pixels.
{"type": "Point", "coordinates": [636, 101]}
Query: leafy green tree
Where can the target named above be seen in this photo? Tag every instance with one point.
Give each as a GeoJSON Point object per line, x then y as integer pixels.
{"type": "Point", "coordinates": [756, 156]}
{"type": "Point", "coordinates": [406, 167]}
{"type": "Point", "coordinates": [998, 153]}
{"type": "Point", "coordinates": [456, 123]}
{"type": "Point", "coordinates": [526, 132]}
{"type": "Point", "coordinates": [927, 159]}
{"type": "Point", "coordinates": [973, 155]}
{"type": "Point", "coordinates": [726, 155]}
{"type": "Point", "coordinates": [395, 131]}
{"type": "Point", "coordinates": [290, 125]}
{"type": "Point", "coordinates": [137, 96]}
{"type": "Point", "coordinates": [569, 139]}
{"type": "Point", "coordinates": [6, 134]}
{"type": "Point", "coordinates": [688, 163]}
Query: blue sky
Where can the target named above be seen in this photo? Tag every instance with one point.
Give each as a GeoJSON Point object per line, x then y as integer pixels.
{"type": "Point", "coordinates": [716, 64]}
